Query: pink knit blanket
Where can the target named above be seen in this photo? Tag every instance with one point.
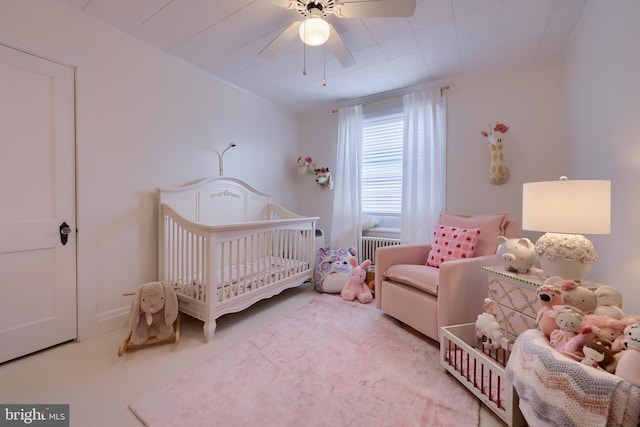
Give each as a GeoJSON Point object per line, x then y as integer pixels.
{"type": "Point", "coordinates": [559, 391]}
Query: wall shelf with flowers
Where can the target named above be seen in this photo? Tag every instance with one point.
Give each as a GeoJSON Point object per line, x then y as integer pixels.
{"type": "Point", "coordinates": [305, 164]}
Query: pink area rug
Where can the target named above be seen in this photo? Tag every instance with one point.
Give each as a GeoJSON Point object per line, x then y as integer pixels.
{"type": "Point", "coordinates": [331, 363]}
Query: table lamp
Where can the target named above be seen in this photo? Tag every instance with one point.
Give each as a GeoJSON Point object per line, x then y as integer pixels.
{"type": "Point", "coordinates": [565, 210]}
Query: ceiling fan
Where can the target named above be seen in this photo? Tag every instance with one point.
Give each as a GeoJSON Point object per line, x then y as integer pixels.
{"type": "Point", "coordinates": [314, 30]}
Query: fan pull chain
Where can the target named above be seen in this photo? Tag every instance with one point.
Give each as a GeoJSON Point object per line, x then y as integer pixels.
{"type": "Point", "coordinates": [304, 59]}
{"type": "Point", "coordinates": [324, 67]}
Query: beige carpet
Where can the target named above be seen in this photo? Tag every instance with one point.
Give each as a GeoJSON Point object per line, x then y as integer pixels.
{"type": "Point", "coordinates": [329, 363]}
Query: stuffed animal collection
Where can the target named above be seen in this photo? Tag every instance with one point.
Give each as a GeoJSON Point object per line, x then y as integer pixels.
{"type": "Point", "coordinates": [608, 330]}
{"type": "Point", "coordinates": [153, 310]}
{"type": "Point", "coordinates": [355, 287]}
{"type": "Point", "coordinates": [590, 326]}
{"type": "Point", "coordinates": [604, 300]}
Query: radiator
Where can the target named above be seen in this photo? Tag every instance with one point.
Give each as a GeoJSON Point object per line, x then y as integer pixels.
{"type": "Point", "coordinates": [370, 244]}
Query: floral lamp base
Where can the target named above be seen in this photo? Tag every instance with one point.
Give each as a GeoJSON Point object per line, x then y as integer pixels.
{"type": "Point", "coordinates": [566, 255]}
{"type": "Point", "coordinates": [570, 270]}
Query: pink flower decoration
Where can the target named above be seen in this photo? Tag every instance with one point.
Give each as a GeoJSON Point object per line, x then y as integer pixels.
{"type": "Point", "coordinates": [309, 160]}
{"type": "Point", "coordinates": [501, 127]}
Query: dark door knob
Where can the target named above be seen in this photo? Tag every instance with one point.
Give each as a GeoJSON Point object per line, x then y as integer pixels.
{"type": "Point", "coordinates": [65, 230]}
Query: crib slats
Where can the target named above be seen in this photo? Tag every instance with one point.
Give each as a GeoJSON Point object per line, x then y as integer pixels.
{"type": "Point", "coordinates": [247, 262]}
{"type": "Point", "coordinates": [184, 259]}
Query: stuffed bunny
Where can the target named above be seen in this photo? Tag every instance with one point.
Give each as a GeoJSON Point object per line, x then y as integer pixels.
{"type": "Point", "coordinates": [153, 310]}
{"type": "Point", "coordinates": [571, 336]}
{"type": "Point", "coordinates": [355, 287]}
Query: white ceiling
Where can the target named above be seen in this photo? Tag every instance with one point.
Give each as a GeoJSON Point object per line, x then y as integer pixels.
{"type": "Point", "coordinates": [442, 40]}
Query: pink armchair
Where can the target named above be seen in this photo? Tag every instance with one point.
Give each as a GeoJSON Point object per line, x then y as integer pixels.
{"type": "Point", "coordinates": [426, 297]}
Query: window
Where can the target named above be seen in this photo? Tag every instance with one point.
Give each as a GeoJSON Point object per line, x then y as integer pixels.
{"type": "Point", "coordinates": [381, 185]}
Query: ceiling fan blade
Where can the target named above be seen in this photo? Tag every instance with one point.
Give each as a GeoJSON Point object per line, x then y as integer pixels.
{"type": "Point", "coordinates": [287, 4]}
{"type": "Point", "coordinates": [375, 9]}
{"type": "Point", "coordinates": [280, 42]}
{"type": "Point", "coordinates": [339, 49]}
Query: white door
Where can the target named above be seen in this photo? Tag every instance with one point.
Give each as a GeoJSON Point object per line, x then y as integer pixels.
{"type": "Point", "coordinates": [37, 194]}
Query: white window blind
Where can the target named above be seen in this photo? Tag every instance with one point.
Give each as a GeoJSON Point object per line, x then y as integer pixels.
{"type": "Point", "coordinates": [382, 165]}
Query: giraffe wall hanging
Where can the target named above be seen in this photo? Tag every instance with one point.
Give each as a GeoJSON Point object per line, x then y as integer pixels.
{"type": "Point", "coordinates": [498, 172]}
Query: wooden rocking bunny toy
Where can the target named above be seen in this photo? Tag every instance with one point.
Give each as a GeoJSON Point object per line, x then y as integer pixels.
{"type": "Point", "coordinates": [153, 310]}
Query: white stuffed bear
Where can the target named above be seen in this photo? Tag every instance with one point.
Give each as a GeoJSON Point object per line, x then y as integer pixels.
{"type": "Point", "coordinates": [629, 365]}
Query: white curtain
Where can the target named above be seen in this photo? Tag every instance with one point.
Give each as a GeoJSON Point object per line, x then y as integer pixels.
{"type": "Point", "coordinates": [424, 164]}
{"type": "Point", "coordinates": [346, 224]}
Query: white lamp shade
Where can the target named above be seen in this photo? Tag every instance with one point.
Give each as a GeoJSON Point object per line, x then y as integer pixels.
{"type": "Point", "coordinates": [314, 31]}
{"type": "Point", "coordinates": [567, 206]}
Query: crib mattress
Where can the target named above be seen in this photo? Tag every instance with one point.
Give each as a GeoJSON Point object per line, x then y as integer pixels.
{"type": "Point", "coordinates": [240, 278]}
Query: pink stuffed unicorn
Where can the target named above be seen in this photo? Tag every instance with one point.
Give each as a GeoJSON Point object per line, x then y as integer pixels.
{"type": "Point", "coordinates": [355, 287]}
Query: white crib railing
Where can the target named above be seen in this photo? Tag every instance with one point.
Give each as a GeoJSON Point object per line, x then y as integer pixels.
{"type": "Point", "coordinates": [224, 263]}
{"type": "Point", "coordinates": [225, 269]}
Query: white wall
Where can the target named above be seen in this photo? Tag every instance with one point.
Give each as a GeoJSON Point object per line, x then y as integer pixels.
{"type": "Point", "coordinates": [603, 104]}
{"type": "Point", "coordinates": [318, 138]}
{"type": "Point", "coordinates": [144, 120]}
{"type": "Point", "coordinates": [528, 100]}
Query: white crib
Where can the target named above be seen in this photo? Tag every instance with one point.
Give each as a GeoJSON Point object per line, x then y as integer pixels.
{"type": "Point", "coordinates": [226, 246]}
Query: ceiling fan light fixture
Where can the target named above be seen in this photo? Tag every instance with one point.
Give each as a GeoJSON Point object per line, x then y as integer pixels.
{"type": "Point", "coordinates": [314, 31]}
